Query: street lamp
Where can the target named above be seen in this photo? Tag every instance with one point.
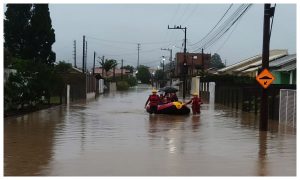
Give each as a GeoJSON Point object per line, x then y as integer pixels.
{"type": "Point", "coordinates": [163, 59]}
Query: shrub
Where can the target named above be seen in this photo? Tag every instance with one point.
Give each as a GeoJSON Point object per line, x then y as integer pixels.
{"type": "Point", "coordinates": [122, 85]}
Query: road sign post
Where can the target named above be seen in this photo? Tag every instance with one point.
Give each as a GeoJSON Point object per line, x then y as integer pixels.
{"type": "Point", "coordinates": [265, 78]}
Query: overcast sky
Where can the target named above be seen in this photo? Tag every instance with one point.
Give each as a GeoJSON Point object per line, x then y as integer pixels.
{"type": "Point", "coordinates": [114, 30]}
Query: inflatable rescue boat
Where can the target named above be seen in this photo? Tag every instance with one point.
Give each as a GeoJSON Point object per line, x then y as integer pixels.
{"type": "Point", "coordinates": [177, 108]}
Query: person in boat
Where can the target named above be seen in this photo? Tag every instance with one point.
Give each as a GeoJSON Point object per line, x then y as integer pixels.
{"type": "Point", "coordinates": [174, 97]}
{"type": "Point", "coordinates": [153, 101]}
{"type": "Point", "coordinates": [196, 101]}
{"type": "Point", "coordinates": [168, 98]}
{"type": "Point", "coordinates": [161, 97]}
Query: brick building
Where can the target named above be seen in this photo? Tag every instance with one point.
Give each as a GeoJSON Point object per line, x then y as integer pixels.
{"type": "Point", "coordinates": [194, 62]}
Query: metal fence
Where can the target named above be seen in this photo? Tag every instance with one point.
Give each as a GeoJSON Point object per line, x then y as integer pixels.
{"type": "Point", "coordinates": [287, 107]}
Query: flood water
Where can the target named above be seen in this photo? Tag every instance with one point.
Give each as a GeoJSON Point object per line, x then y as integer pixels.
{"type": "Point", "coordinates": [113, 135]}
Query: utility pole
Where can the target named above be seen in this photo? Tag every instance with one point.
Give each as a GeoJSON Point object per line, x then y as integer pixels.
{"type": "Point", "coordinates": [202, 55]}
{"type": "Point", "coordinates": [184, 65]}
{"type": "Point", "coordinates": [85, 62]}
{"type": "Point", "coordinates": [94, 63]}
{"type": "Point", "coordinates": [74, 53]}
{"type": "Point", "coordinates": [102, 67]}
{"type": "Point", "coordinates": [138, 60]}
{"type": "Point", "coordinates": [264, 110]}
{"type": "Point", "coordinates": [170, 65]}
{"type": "Point", "coordinates": [122, 69]}
{"type": "Point", "coordinates": [163, 67]}
{"type": "Point", "coordinates": [83, 54]}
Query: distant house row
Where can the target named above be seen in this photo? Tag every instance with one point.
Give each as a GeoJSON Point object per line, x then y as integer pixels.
{"type": "Point", "coordinates": [281, 64]}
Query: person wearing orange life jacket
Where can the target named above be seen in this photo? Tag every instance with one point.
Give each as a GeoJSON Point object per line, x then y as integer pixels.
{"type": "Point", "coordinates": [196, 101]}
{"type": "Point", "coordinates": [153, 101]}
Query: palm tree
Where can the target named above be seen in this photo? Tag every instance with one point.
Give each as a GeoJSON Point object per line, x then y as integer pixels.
{"type": "Point", "coordinates": [108, 64]}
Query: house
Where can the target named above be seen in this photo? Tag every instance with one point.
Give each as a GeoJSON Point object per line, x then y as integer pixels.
{"type": "Point", "coordinates": [194, 62]}
{"type": "Point", "coordinates": [248, 67]}
{"type": "Point", "coordinates": [284, 69]}
{"type": "Point", "coordinates": [117, 72]}
{"type": "Point", "coordinates": [281, 65]}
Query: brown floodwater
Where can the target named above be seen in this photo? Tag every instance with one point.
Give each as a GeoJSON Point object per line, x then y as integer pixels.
{"type": "Point", "coordinates": [113, 135]}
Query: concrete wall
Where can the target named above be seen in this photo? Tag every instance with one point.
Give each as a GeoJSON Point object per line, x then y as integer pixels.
{"type": "Point", "coordinates": [195, 85]}
{"type": "Point", "coordinates": [112, 86]}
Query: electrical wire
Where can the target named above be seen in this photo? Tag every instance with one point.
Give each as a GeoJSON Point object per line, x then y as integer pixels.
{"type": "Point", "coordinates": [215, 25]}
{"type": "Point", "coordinates": [225, 27]}
{"type": "Point", "coordinates": [216, 39]}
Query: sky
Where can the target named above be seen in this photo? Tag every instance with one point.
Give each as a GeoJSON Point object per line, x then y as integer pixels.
{"type": "Point", "coordinates": [114, 30]}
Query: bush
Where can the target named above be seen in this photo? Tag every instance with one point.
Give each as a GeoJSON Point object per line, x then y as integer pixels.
{"type": "Point", "coordinates": [131, 81]}
{"type": "Point", "coordinates": [122, 85]}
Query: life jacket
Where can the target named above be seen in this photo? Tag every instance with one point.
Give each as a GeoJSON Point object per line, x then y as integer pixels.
{"type": "Point", "coordinates": [154, 100]}
{"type": "Point", "coordinates": [196, 101]}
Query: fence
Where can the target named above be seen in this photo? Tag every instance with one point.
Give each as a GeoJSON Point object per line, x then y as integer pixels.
{"type": "Point", "coordinates": [245, 97]}
{"type": "Point", "coordinates": [287, 107]}
{"type": "Point", "coordinates": [80, 86]}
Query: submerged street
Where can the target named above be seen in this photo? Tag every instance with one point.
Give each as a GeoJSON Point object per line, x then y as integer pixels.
{"type": "Point", "coordinates": [114, 135]}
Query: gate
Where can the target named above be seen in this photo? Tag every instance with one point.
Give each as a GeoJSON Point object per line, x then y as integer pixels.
{"type": "Point", "coordinates": [287, 107]}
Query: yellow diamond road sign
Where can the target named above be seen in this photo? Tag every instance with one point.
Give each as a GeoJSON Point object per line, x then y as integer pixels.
{"type": "Point", "coordinates": [265, 78]}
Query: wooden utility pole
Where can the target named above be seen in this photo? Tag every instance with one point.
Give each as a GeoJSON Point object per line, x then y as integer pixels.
{"type": "Point", "coordinates": [202, 55]}
{"type": "Point", "coordinates": [75, 54]}
{"type": "Point", "coordinates": [85, 62]}
{"type": "Point", "coordinates": [83, 53]}
{"type": "Point", "coordinates": [122, 69]}
{"type": "Point", "coordinates": [94, 63]}
{"type": "Point", "coordinates": [264, 110]}
{"type": "Point", "coordinates": [102, 66]}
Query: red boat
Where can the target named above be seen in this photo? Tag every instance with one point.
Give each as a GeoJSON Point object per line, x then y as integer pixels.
{"type": "Point", "coordinates": [171, 108]}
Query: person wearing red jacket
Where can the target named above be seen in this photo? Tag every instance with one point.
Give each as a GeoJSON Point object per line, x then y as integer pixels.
{"type": "Point", "coordinates": [196, 101]}
{"type": "Point", "coordinates": [153, 101]}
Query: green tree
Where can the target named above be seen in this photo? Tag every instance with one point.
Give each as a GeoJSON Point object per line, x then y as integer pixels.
{"type": "Point", "coordinates": [108, 64]}
{"type": "Point", "coordinates": [41, 35]}
{"type": "Point", "coordinates": [143, 74]}
{"type": "Point", "coordinates": [16, 26]}
{"type": "Point", "coordinates": [28, 40]}
{"type": "Point", "coordinates": [216, 61]}
{"type": "Point", "coordinates": [31, 81]}
{"type": "Point", "coordinates": [62, 67]}
{"type": "Point", "coordinates": [128, 67]}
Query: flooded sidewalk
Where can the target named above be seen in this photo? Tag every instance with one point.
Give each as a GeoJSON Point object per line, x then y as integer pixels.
{"type": "Point", "coordinates": [114, 135]}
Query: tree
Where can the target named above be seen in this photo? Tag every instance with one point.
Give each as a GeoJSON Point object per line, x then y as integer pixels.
{"type": "Point", "coordinates": [108, 64]}
{"type": "Point", "coordinates": [16, 26]}
{"type": "Point", "coordinates": [216, 61]}
{"type": "Point", "coordinates": [128, 67]}
{"type": "Point", "coordinates": [41, 35]}
{"type": "Point", "coordinates": [28, 37]}
{"type": "Point", "coordinates": [143, 74]}
{"type": "Point", "coordinates": [62, 67]}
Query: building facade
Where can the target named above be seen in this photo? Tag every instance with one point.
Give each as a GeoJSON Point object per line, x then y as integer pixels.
{"type": "Point", "coordinates": [195, 63]}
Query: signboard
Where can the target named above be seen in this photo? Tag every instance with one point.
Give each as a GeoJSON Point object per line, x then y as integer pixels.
{"type": "Point", "coordinates": [265, 78]}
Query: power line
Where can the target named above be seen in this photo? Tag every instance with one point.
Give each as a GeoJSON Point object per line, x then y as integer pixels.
{"type": "Point", "coordinates": [221, 27]}
{"type": "Point", "coordinates": [215, 25]}
{"type": "Point", "coordinates": [224, 27]}
{"type": "Point", "coordinates": [228, 37]}
{"type": "Point", "coordinates": [216, 39]}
